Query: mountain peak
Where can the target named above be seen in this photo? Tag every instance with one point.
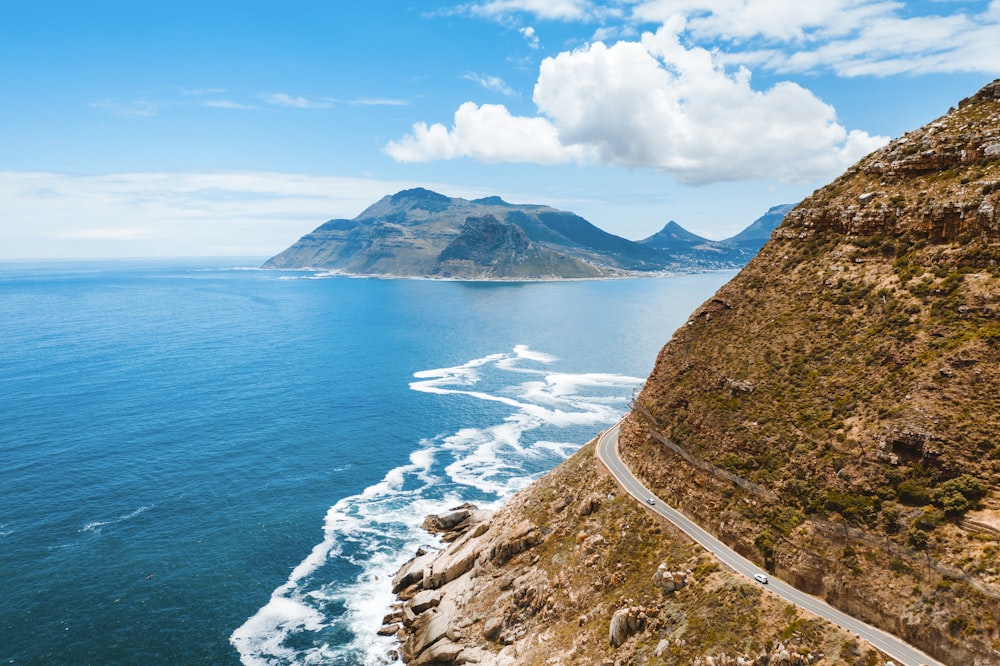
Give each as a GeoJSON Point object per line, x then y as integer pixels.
{"type": "Point", "coordinates": [420, 194]}
{"type": "Point", "coordinates": [491, 201]}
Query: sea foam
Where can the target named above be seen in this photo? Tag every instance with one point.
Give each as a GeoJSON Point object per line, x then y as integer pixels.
{"type": "Point", "coordinates": [315, 618]}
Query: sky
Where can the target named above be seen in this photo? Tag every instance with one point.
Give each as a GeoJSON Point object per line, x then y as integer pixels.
{"type": "Point", "coordinates": [232, 128]}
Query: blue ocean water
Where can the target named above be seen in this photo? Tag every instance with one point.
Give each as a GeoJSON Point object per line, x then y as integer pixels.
{"type": "Point", "coordinates": [201, 463]}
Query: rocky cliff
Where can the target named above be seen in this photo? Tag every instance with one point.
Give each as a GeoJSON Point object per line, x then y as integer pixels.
{"type": "Point", "coordinates": [832, 413]}
{"type": "Point", "coordinates": [570, 572]}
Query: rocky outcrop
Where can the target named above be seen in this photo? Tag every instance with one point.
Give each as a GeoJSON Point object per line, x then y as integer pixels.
{"type": "Point", "coordinates": [936, 183]}
{"type": "Point", "coordinates": [569, 572]}
{"type": "Point", "coordinates": [625, 623]}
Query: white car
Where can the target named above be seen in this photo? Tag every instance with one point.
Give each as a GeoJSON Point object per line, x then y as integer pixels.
{"type": "Point", "coordinates": [651, 501]}
{"type": "Point", "coordinates": [760, 578]}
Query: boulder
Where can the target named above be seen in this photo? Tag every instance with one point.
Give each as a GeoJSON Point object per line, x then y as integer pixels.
{"type": "Point", "coordinates": [424, 600]}
{"type": "Point", "coordinates": [412, 572]}
{"type": "Point", "coordinates": [625, 623]}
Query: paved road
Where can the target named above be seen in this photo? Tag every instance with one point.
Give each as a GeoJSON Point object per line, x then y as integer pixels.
{"type": "Point", "coordinates": [903, 653]}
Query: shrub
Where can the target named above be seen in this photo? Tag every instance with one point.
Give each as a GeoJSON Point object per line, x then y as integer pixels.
{"type": "Point", "coordinates": [914, 492]}
{"type": "Point", "coordinates": [891, 514]}
{"type": "Point", "coordinates": [958, 495]}
{"type": "Point", "coordinates": [917, 538]}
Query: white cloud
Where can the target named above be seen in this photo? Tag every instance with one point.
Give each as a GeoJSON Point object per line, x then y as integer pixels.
{"type": "Point", "coordinates": [492, 83]}
{"type": "Point", "coordinates": [848, 37]}
{"type": "Point", "coordinates": [227, 104]}
{"type": "Point", "coordinates": [135, 109]}
{"type": "Point", "coordinates": [487, 133]}
{"type": "Point", "coordinates": [782, 20]}
{"type": "Point", "coordinates": [297, 102]}
{"type": "Point", "coordinates": [50, 215]}
{"type": "Point", "coordinates": [563, 10]}
{"type": "Point", "coordinates": [531, 37]}
{"type": "Point", "coordinates": [653, 103]}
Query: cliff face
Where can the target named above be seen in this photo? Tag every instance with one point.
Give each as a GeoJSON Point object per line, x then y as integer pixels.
{"type": "Point", "coordinates": [850, 375]}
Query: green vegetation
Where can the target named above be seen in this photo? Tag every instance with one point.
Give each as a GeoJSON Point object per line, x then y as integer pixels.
{"type": "Point", "coordinates": [958, 495]}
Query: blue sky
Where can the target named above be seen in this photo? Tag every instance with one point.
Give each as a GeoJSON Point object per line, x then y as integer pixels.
{"type": "Point", "coordinates": [232, 128]}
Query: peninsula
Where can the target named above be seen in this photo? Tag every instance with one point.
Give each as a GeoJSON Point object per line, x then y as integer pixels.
{"type": "Point", "coordinates": [420, 233]}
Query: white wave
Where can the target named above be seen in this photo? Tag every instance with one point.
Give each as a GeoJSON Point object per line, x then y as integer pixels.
{"type": "Point", "coordinates": [376, 531]}
{"type": "Point", "coordinates": [98, 525]}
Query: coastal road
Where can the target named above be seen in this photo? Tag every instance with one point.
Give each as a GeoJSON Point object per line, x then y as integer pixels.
{"type": "Point", "coordinates": [903, 653]}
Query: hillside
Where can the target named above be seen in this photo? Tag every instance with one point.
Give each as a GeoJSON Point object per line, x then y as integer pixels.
{"type": "Point", "coordinates": [839, 399]}
{"type": "Point", "coordinates": [850, 374]}
{"type": "Point", "coordinates": [419, 233]}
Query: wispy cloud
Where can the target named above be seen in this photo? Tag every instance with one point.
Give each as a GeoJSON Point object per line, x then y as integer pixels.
{"type": "Point", "coordinates": [560, 10]}
{"type": "Point", "coordinates": [379, 101]}
{"type": "Point", "coordinates": [201, 92]}
{"type": "Point", "coordinates": [846, 37]}
{"type": "Point", "coordinates": [139, 108]}
{"type": "Point", "coordinates": [228, 104]}
{"type": "Point", "coordinates": [492, 83]}
{"type": "Point", "coordinates": [298, 102]}
{"type": "Point", "coordinates": [531, 37]}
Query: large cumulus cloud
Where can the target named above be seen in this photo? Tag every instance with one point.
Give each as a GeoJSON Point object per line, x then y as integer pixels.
{"type": "Point", "coordinates": [654, 103]}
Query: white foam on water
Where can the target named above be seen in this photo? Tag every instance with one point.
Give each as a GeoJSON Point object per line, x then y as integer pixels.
{"type": "Point", "coordinates": [378, 530]}
{"type": "Point", "coordinates": [98, 526]}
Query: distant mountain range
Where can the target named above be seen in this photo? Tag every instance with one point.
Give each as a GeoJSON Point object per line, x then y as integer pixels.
{"type": "Point", "coordinates": [420, 233]}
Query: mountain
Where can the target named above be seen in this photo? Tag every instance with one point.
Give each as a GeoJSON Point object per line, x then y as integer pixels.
{"type": "Point", "coordinates": [420, 233]}
{"type": "Point", "coordinates": [832, 413]}
{"type": "Point", "coordinates": [849, 378]}
{"type": "Point", "coordinates": [759, 232]}
{"type": "Point", "coordinates": [683, 246]}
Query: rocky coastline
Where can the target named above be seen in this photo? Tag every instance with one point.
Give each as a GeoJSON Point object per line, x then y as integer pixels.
{"type": "Point", "coordinates": [545, 580]}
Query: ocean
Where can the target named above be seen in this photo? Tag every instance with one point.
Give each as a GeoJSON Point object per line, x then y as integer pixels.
{"type": "Point", "coordinates": [204, 463]}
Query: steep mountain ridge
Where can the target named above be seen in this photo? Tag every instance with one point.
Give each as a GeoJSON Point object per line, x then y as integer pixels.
{"type": "Point", "coordinates": [420, 233]}
{"type": "Point", "coordinates": [840, 399]}
{"type": "Point", "coordinates": [759, 232]}
{"type": "Point", "coordinates": [852, 372]}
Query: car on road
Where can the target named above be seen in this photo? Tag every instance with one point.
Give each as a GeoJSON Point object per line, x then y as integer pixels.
{"type": "Point", "coordinates": [760, 578]}
{"type": "Point", "coordinates": [651, 501]}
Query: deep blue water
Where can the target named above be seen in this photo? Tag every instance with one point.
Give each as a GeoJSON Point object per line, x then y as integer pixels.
{"type": "Point", "coordinates": [203, 464]}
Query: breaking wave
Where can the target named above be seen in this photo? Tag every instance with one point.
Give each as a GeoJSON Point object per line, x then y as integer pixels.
{"type": "Point", "coordinates": [322, 616]}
